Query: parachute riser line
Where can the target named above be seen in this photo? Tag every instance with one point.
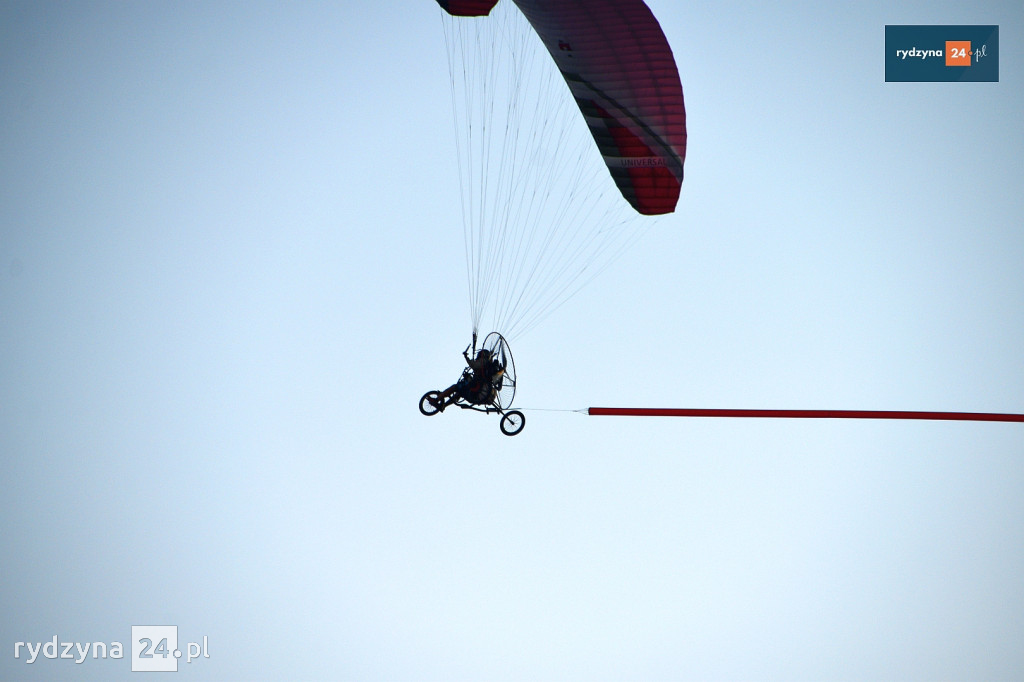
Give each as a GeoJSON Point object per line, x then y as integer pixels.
{"type": "Point", "coordinates": [804, 414]}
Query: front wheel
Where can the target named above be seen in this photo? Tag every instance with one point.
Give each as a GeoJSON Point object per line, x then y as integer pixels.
{"type": "Point", "coordinates": [512, 422]}
{"type": "Point", "coordinates": [430, 403]}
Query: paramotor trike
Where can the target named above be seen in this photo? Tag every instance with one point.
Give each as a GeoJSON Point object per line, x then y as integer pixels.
{"type": "Point", "coordinates": [488, 389]}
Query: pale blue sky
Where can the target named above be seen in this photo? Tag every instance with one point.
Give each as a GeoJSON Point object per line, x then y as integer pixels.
{"type": "Point", "coordinates": [231, 263]}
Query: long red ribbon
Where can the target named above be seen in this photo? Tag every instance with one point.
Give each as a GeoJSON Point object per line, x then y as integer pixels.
{"type": "Point", "coordinates": [803, 414]}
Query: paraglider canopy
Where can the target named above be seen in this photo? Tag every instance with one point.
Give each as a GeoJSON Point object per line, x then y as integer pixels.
{"type": "Point", "coordinates": [549, 99]}
{"type": "Point", "coordinates": [620, 69]}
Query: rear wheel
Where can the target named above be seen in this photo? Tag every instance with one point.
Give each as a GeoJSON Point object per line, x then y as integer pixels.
{"type": "Point", "coordinates": [512, 422]}
{"type": "Point", "coordinates": [430, 403]}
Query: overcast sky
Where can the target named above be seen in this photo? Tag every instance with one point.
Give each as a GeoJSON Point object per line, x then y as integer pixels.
{"type": "Point", "coordinates": [231, 263]}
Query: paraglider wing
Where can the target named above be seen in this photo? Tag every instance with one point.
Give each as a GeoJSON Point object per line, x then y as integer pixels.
{"type": "Point", "coordinates": [539, 214]}
{"type": "Point", "coordinates": [620, 69]}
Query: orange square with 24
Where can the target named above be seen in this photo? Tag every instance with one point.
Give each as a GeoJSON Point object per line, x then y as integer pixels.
{"type": "Point", "coordinates": [958, 53]}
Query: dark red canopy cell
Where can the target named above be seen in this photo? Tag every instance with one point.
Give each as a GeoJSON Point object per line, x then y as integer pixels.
{"type": "Point", "coordinates": [467, 8]}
